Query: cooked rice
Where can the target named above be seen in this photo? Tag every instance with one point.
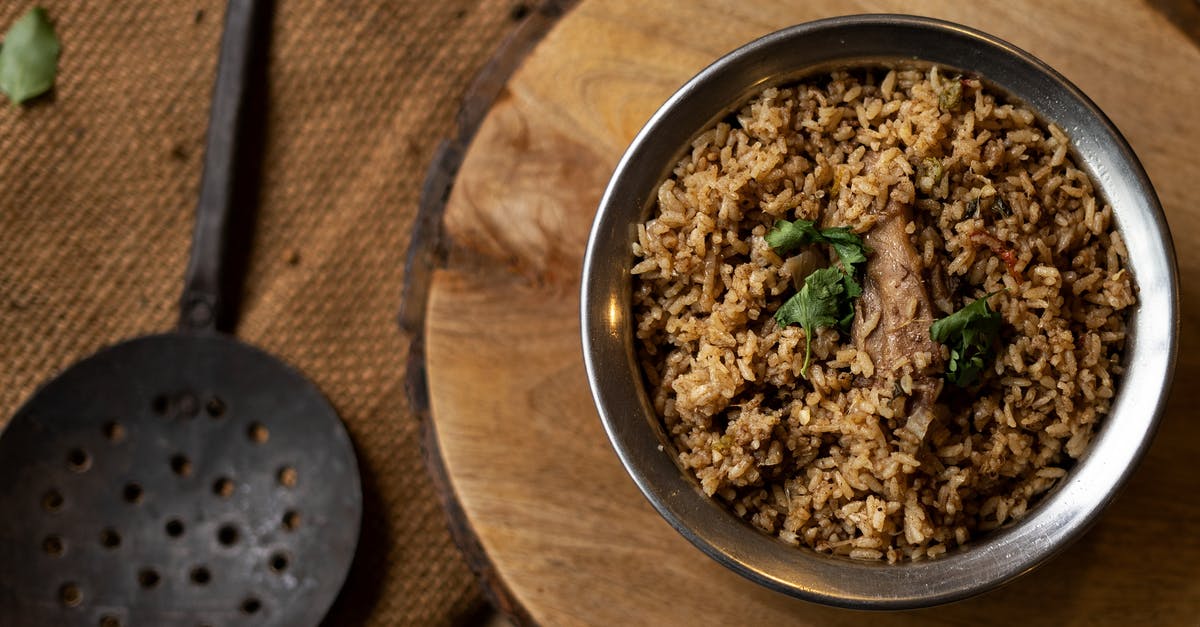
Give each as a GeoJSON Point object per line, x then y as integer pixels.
{"type": "Point", "coordinates": [824, 462]}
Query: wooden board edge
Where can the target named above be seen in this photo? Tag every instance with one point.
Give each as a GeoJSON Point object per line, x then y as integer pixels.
{"type": "Point", "coordinates": [427, 252]}
{"type": "Point", "coordinates": [1184, 15]}
{"type": "Point", "coordinates": [494, 588]}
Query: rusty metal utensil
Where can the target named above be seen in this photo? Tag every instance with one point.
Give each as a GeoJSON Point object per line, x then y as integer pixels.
{"type": "Point", "coordinates": [183, 478]}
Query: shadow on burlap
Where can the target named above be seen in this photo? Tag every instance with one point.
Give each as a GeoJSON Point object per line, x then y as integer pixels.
{"type": "Point", "coordinates": [98, 186]}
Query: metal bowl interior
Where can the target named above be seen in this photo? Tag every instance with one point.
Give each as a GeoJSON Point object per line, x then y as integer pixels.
{"type": "Point", "coordinates": [988, 561]}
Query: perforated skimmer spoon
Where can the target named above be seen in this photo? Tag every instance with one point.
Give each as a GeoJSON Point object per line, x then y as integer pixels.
{"type": "Point", "coordinates": [183, 478]}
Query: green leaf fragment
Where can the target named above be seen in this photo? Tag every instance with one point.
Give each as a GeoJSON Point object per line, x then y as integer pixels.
{"type": "Point", "coordinates": [929, 174]}
{"type": "Point", "coordinates": [849, 247]}
{"type": "Point", "coordinates": [787, 236]}
{"type": "Point", "coordinates": [951, 95]}
{"type": "Point", "coordinates": [827, 297]}
{"type": "Point", "coordinates": [29, 57]}
{"type": "Point", "coordinates": [970, 334]}
{"type": "Point", "coordinates": [820, 303]}
{"type": "Point", "coordinates": [853, 288]}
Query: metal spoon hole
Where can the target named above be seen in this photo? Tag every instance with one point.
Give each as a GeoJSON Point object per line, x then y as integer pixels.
{"type": "Point", "coordinates": [110, 539]}
{"type": "Point", "coordinates": [279, 562]}
{"type": "Point", "coordinates": [227, 535]}
{"type": "Point", "coordinates": [148, 578]}
{"type": "Point", "coordinates": [113, 431]}
{"type": "Point", "coordinates": [291, 520]}
{"type": "Point", "coordinates": [215, 407]}
{"type": "Point", "coordinates": [78, 460]}
{"type": "Point", "coordinates": [70, 594]}
{"type": "Point", "coordinates": [181, 465]}
{"type": "Point", "coordinates": [52, 500]}
{"type": "Point", "coordinates": [251, 605]}
{"type": "Point", "coordinates": [257, 433]}
{"type": "Point", "coordinates": [108, 620]}
{"type": "Point", "coordinates": [160, 404]}
{"type": "Point", "coordinates": [223, 487]}
{"type": "Point", "coordinates": [287, 477]}
{"type": "Point", "coordinates": [200, 576]}
{"type": "Point", "coordinates": [132, 493]}
{"type": "Point", "coordinates": [174, 527]}
{"type": "Point", "coordinates": [54, 546]}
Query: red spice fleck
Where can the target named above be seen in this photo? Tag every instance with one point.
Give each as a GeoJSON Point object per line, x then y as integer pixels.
{"type": "Point", "coordinates": [1000, 250]}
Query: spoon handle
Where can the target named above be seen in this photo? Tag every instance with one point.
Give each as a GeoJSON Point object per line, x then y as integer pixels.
{"type": "Point", "coordinates": [206, 282]}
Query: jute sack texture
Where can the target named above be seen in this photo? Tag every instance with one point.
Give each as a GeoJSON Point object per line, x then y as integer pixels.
{"type": "Point", "coordinates": [98, 185]}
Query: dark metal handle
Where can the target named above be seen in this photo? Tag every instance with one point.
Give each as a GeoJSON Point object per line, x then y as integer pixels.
{"type": "Point", "coordinates": [203, 293]}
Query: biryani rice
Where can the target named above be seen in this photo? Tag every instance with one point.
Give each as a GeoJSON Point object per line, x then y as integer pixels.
{"type": "Point", "coordinates": [825, 461]}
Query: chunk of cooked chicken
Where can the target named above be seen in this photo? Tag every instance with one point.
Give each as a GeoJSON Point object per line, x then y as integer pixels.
{"type": "Point", "coordinates": [893, 316]}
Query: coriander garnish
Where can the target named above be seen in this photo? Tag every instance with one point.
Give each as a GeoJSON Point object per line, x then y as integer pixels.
{"type": "Point", "coordinates": [970, 334]}
{"type": "Point", "coordinates": [822, 302]}
{"type": "Point", "coordinates": [827, 297]}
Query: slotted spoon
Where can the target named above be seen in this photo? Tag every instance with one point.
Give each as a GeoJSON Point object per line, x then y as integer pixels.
{"type": "Point", "coordinates": [184, 478]}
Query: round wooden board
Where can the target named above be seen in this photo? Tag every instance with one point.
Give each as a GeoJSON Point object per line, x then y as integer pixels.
{"type": "Point", "coordinates": [565, 529]}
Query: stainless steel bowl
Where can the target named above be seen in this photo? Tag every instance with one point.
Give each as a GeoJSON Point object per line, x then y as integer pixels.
{"type": "Point", "coordinates": [991, 560]}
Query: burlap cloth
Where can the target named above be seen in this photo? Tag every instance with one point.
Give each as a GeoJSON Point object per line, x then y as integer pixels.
{"type": "Point", "coordinates": [98, 185]}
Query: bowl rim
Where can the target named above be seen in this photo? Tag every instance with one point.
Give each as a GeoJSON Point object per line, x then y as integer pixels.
{"type": "Point", "coordinates": [1063, 514]}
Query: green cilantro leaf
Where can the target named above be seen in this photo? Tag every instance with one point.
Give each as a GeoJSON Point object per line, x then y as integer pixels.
{"type": "Point", "coordinates": [970, 333]}
{"type": "Point", "coordinates": [851, 251]}
{"type": "Point", "coordinates": [853, 289]}
{"type": "Point", "coordinates": [787, 236]}
{"type": "Point", "coordinates": [827, 297]}
{"type": "Point", "coordinates": [29, 58]}
{"type": "Point", "coordinates": [849, 247]}
{"type": "Point", "coordinates": [821, 302]}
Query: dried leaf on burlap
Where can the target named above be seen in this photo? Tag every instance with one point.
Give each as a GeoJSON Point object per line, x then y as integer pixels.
{"type": "Point", "coordinates": [29, 57]}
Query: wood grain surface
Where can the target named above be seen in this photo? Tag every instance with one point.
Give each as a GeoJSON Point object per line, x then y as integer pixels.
{"type": "Point", "coordinates": [565, 529]}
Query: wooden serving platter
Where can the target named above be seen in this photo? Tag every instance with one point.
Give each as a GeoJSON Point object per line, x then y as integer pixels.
{"type": "Point", "coordinates": [565, 535]}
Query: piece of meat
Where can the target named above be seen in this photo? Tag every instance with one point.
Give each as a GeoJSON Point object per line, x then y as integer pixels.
{"type": "Point", "coordinates": [798, 267]}
{"type": "Point", "coordinates": [896, 289]}
{"type": "Point", "coordinates": [894, 313]}
{"type": "Point", "coordinates": [940, 287]}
